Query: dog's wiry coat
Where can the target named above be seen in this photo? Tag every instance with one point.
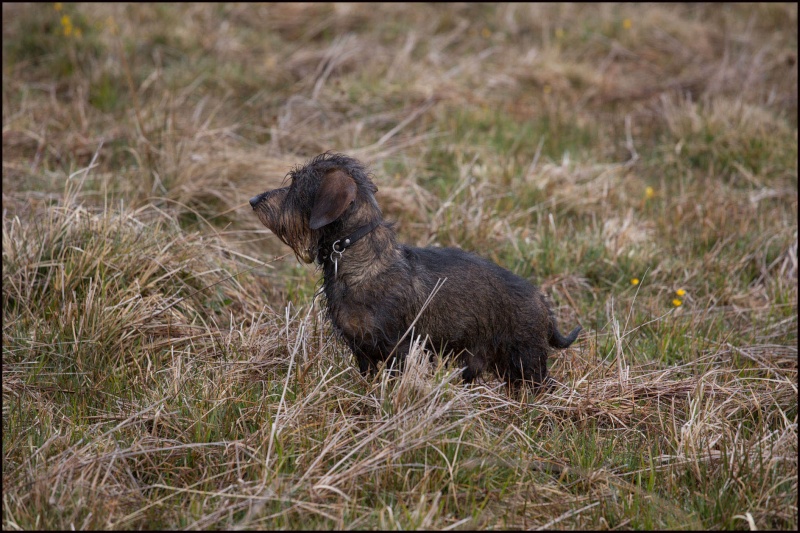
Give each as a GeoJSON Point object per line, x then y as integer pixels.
{"type": "Point", "coordinates": [488, 317]}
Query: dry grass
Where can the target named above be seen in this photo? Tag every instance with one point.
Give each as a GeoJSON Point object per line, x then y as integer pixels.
{"type": "Point", "coordinates": [164, 362]}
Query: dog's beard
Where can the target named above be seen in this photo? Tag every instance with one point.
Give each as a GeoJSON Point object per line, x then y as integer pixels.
{"type": "Point", "coordinates": [306, 256]}
{"type": "Point", "coordinates": [302, 240]}
{"type": "Point", "coordinates": [301, 246]}
{"type": "Point", "coordinates": [302, 252]}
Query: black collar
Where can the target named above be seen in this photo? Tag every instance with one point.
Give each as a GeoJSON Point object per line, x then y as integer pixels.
{"type": "Point", "coordinates": [340, 245]}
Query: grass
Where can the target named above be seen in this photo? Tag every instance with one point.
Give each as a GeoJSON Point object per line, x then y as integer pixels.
{"type": "Point", "coordinates": [165, 364]}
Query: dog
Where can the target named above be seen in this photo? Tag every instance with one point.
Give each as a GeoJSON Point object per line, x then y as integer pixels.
{"type": "Point", "coordinates": [376, 289]}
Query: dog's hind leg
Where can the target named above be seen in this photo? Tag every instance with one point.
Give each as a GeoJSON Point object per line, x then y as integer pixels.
{"type": "Point", "coordinates": [529, 366]}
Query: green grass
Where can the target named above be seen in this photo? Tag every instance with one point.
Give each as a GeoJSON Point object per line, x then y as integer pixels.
{"type": "Point", "coordinates": [165, 364]}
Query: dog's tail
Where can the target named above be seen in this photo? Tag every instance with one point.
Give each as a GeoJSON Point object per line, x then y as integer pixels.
{"type": "Point", "coordinates": [559, 341]}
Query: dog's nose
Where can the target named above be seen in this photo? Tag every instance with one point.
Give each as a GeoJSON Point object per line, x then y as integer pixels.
{"type": "Point", "coordinates": [254, 200]}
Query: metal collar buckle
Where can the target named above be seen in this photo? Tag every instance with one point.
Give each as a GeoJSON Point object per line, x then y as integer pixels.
{"type": "Point", "coordinates": [340, 245]}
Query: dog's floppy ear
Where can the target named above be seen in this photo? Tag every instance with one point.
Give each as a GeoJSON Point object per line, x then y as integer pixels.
{"type": "Point", "coordinates": [335, 194]}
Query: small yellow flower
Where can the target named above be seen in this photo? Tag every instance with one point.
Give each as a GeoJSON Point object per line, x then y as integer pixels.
{"type": "Point", "coordinates": [649, 193]}
{"type": "Point", "coordinates": [635, 281]}
{"type": "Point", "coordinates": [547, 89]}
{"type": "Point", "coordinates": [486, 33]}
{"type": "Point", "coordinates": [680, 292]}
{"type": "Point", "coordinates": [676, 302]}
{"type": "Point", "coordinates": [57, 6]}
{"type": "Point", "coordinates": [559, 33]}
{"type": "Point", "coordinates": [627, 24]}
{"type": "Point", "coordinates": [66, 23]}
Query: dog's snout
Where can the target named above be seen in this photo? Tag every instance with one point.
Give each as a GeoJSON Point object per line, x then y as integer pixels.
{"type": "Point", "coordinates": [255, 199]}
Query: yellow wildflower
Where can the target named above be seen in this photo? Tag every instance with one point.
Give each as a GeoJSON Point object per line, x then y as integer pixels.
{"type": "Point", "coordinates": [57, 6]}
{"type": "Point", "coordinates": [627, 24]}
{"type": "Point", "coordinates": [649, 193]}
{"type": "Point", "coordinates": [676, 302]}
{"type": "Point", "coordinates": [559, 33]}
{"type": "Point", "coordinates": [680, 292]}
{"type": "Point", "coordinates": [486, 32]}
{"type": "Point", "coordinates": [66, 23]}
{"type": "Point", "coordinates": [635, 281]}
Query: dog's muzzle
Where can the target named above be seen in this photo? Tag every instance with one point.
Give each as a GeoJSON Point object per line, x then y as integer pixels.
{"type": "Point", "coordinates": [255, 199]}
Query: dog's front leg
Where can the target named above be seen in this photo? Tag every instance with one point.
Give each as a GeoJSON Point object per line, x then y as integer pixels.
{"type": "Point", "coordinates": [364, 363]}
{"type": "Point", "coordinates": [369, 356]}
{"type": "Point", "coordinates": [468, 375]}
{"type": "Point", "coordinates": [367, 362]}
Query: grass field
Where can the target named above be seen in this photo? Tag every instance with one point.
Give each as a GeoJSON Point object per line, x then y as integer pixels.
{"type": "Point", "coordinates": [165, 364]}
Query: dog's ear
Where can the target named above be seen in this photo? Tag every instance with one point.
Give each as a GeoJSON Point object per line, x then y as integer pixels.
{"type": "Point", "coordinates": [335, 194]}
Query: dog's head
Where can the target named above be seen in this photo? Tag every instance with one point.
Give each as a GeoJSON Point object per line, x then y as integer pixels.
{"type": "Point", "coordinates": [327, 198]}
